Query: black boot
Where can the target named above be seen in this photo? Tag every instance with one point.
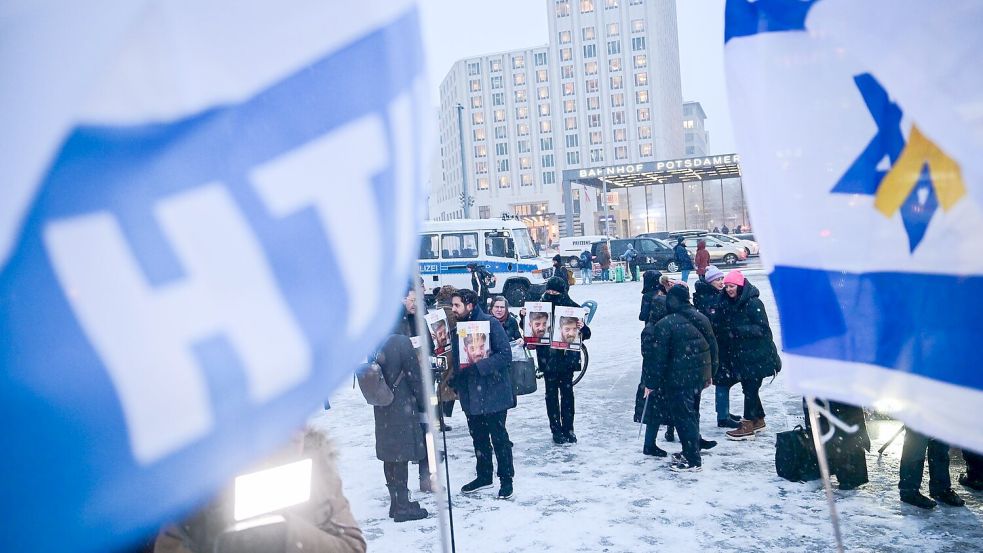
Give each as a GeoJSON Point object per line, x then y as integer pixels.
{"type": "Point", "coordinates": [949, 497]}
{"type": "Point", "coordinates": [670, 434]}
{"type": "Point", "coordinates": [914, 497]}
{"type": "Point", "coordinates": [505, 491]}
{"type": "Point", "coordinates": [654, 451]}
{"type": "Point", "coordinates": [707, 444]}
{"type": "Point", "coordinates": [728, 423]}
{"type": "Point", "coordinates": [972, 484]}
{"type": "Point", "coordinates": [478, 483]}
{"type": "Point", "coordinates": [559, 438]}
{"type": "Point", "coordinates": [400, 505]}
{"type": "Point", "coordinates": [571, 437]}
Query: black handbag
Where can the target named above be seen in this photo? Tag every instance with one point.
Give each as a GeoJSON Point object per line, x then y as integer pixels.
{"type": "Point", "coordinates": [522, 371]}
{"type": "Point", "coordinates": [795, 455]}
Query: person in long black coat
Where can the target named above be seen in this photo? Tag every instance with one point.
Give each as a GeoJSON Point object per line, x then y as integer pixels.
{"type": "Point", "coordinates": [650, 289]}
{"type": "Point", "coordinates": [844, 451]}
{"type": "Point", "coordinates": [399, 436]}
{"type": "Point", "coordinates": [558, 367]}
{"type": "Point", "coordinates": [706, 297]}
{"type": "Point", "coordinates": [683, 359]}
{"type": "Point", "coordinates": [747, 348]}
{"type": "Point", "coordinates": [652, 410]}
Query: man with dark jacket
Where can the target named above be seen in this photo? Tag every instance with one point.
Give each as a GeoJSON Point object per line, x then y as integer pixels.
{"type": "Point", "coordinates": [683, 363]}
{"type": "Point", "coordinates": [481, 280]}
{"type": "Point", "coordinates": [683, 259]}
{"type": "Point", "coordinates": [560, 268]}
{"type": "Point", "coordinates": [485, 391]}
{"type": "Point", "coordinates": [558, 367]}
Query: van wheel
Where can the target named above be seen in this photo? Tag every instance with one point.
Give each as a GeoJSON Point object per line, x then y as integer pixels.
{"type": "Point", "coordinates": [574, 262]}
{"type": "Point", "coordinates": [672, 267]}
{"type": "Point", "coordinates": [515, 293]}
{"type": "Point", "coordinates": [730, 259]}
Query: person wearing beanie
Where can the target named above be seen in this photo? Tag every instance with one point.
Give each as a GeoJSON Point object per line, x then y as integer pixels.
{"type": "Point", "coordinates": [680, 361]}
{"type": "Point", "coordinates": [747, 348]}
{"type": "Point", "coordinates": [706, 296]}
{"type": "Point", "coordinates": [683, 260]}
{"type": "Point", "coordinates": [558, 367]}
{"type": "Point", "coordinates": [560, 268]}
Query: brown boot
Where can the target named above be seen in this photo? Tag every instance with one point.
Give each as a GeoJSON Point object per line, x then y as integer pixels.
{"type": "Point", "coordinates": [758, 425]}
{"type": "Point", "coordinates": [744, 432]}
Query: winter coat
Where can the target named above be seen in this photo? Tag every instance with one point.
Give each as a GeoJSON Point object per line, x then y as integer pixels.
{"type": "Point", "coordinates": [478, 280]}
{"type": "Point", "coordinates": [586, 259]}
{"type": "Point", "coordinates": [844, 450]}
{"type": "Point", "coordinates": [705, 298]}
{"type": "Point", "coordinates": [630, 254]}
{"type": "Point", "coordinates": [511, 326]}
{"type": "Point", "coordinates": [322, 524]}
{"type": "Point", "coordinates": [702, 258]}
{"type": "Point", "coordinates": [561, 271]}
{"type": "Point", "coordinates": [558, 361]}
{"type": "Point", "coordinates": [657, 411]}
{"type": "Point", "coordinates": [398, 434]}
{"type": "Point", "coordinates": [650, 289]}
{"type": "Point", "coordinates": [747, 348]}
{"type": "Point", "coordinates": [682, 257]}
{"type": "Point", "coordinates": [604, 258]}
{"type": "Point", "coordinates": [682, 350]}
{"type": "Point", "coordinates": [406, 324]}
{"type": "Point", "coordinates": [486, 386]}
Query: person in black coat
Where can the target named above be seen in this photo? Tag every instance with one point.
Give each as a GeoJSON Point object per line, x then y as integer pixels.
{"type": "Point", "coordinates": [560, 268]}
{"type": "Point", "coordinates": [407, 321]}
{"type": "Point", "coordinates": [706, 297]}
{"type": "Point", "coordinates": [844, 451]}
{"type": "Point", "coordinates": [481, 280]}
{"type": "Point", "coordinates": [747, 348]}
{"type": "Point", "coordinates": [681, 365]}
{"type": "Point", "coordinates": [650, 289]}
{"type": "Point", "coordinates": [651, 410]}
{"type": "Point", "coordinates": [683, 258]}
{"type": "Point", "coordinates": [485, 391]}
{"type": "Point", "coordinates": [558, 367]}
{"type": "Point", "coordinates": [399, 436]}
{"type": "Point", "coordinates": [500, 312]}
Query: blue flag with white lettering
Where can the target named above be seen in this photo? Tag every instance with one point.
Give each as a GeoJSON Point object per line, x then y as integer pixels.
{"type": "Point", "coordinates": [196, 197]}
{"type": "Point", "coordinates": [860, 129]}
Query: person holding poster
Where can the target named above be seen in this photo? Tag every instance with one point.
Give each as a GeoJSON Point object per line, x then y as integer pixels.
{"type": "Point", "coordinates": [483, 383]}
{"type": "Point", "coordinates": [566, 332]}
{"type": "Point", "coordinates": [558, 365]}
{"type": "Point", "coordinates": [537, 323]}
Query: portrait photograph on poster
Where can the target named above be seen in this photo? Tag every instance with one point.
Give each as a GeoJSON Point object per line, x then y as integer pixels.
{"type": "Point", "coordinates": [566, 328]}
{"type": "Point", "coordinates": [439, 331]}
{"type": "Point", "coordinates": [537, 324]}
{"type": "Point", "coordinates": [474, 341]}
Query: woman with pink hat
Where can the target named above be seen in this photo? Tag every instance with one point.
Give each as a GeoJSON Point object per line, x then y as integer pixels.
{"type": "Point", "coordinates": [747, 348]}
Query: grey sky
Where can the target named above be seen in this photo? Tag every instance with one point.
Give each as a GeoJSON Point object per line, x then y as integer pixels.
{"type": "Point", "coordinates": [455, 29]}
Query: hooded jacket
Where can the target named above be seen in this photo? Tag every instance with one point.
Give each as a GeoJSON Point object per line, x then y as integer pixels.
{"type": "Point", "coordinates": [650, 289]}
{"type": "Point", "coordinates": [705, 298]}
{"type": "Point", "coordinates": [554, 360]}
{"type": "Point", "coordinates": [486, 386]}
{"type": "Point", "coordinates": [682, 352]}
{"type": "Point", "coordinates": [747, 347]}
{"type": "Point", "coordinates": [682, 257]}
{"type": "Point", "coordinates": [702, 257]}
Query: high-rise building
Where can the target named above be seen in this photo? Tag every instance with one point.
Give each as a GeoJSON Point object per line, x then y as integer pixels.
{"type": "Point", "coordinates": [696, 139]}
{"type": "Point", "coordinates": [604, 91]}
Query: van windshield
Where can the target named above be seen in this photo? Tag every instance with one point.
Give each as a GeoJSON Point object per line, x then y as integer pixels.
{"type": "Point", "coordinates": [523, 243]}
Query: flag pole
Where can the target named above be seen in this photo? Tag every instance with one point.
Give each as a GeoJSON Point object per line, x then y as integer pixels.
{"type": "Point", "coordinates": [824, 469]}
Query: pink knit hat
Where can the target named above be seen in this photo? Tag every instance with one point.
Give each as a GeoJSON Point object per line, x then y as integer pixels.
{"type": "Point", "coordinates": [734, 277]}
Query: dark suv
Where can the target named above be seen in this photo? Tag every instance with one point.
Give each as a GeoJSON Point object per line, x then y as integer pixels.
{"type": "Point", "coordinates": [652, 253]}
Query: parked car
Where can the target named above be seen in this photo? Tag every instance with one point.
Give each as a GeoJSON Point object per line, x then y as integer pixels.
{"type": "Point", "coordinates": [720, 251]}
{"type": "Point", "coordinates": [746, 236]}
{"type": "Point", "coordinates": [671, 234]}
{"type": "Point", "coordinates": [652, 253]}
{"type": "Point", "coordinates": [749, 246]}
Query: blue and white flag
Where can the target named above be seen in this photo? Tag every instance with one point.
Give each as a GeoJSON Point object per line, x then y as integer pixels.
{"type": "Point", "coordinates": [208, 214]}
{"type": "Point", "coordinates": [860, 125]}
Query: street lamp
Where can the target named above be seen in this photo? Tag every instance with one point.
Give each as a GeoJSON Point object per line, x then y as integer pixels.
{"type": "Point", "coordinates": [466, 202]}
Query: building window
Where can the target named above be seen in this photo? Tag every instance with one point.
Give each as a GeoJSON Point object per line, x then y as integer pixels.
{"type": "Point", "coordinates": [499, 115]}
{"type": "Point", "coordinates": [474, 68]}
{"type": "Point", "coordinates": [475, 85]}
{"type": "Point", "coordinates": [645, 150]}
{"type": "Point", "coordinates": [590, 68]}
{"type": "Point", "coordinates": [480, 151]}
{"type": "Point", "coordinates": [565, 37]}
{"type": "Point", "coordinates": [547, 160]}
{"type": "Point", "coordinates": [566, 54]}
{"type": "Point", "coordinates": [635, 2]}
{"type": "Point", "coordinates": [546, 144]}
{"type": "Point", "coordinates": [523, 145]}
{"type": "Point", "coordinates": [595, 137]}
{"type": "Point", "coordinates": [502, 149]}
{"type": "Point", "coordinates": [569, 106]}
{"type": "Point", "coordinates": [596, 155]}
{"type": "Point", "coordinates": [525, 162]}
{"type": "Point", "coordinates": [586, 6]}
{"type": "Point", "coordinates": [498, 99]}
{"type": "Point", "coordinates": [526, 179]}
{"type": "Point", "coordinates": [519, 79]}
{"type": "Point", "coordinates": [476, 102]}
{"type": "Point", "coordinates": [641, 79]}
{"type": "Point", "coordinates": [484, 212]}
{"type": "Point", "coordinates": [549, 177]}
{"type": "Point", "coordinates": [644, 114]}
{"type": "Point", "coordinates": [688, 124]}
{"type": "Point", "coordinates": [590, 51]}
{"type": "Point", "coordinates": [522, 129]}
{"type": "Point", "coordinates": [614, 65]}
{"type": "Point", "coordinates": [638, 25]}
{"type": "Point", "coordinates": [621, 152]}
{"type": "Point", "coordinates": [542, 76]}
{"type": "Point", "coordinates": [501, 132]}
{"type": "Point", "coordinates": [570, 123]}
{"type": "Point", "coordinates": [642, 97]}
{"type": "Point", "coordinates": [495, 66]}
{"type": "Point", "coordinates": [617, 118]}
{"type": "Point", "coordinates": [573, 140]}
{"type": "Point", "coordinates": [505, 181]}
{"type": "Point", "coordinates": [573, 158]}
{"type": "Point", "coordinates": [518, 62]}
{"type": "Point", "coordinates": [568, 89]}
{"type": "Point", "coordinates": [544, 110]}
{"type": "Point", "coordinates": [593, 103]}
{"type": "Point", "coordinates": [614, 29]}
{"type": "Point", "coordinates": [638, 43]}
{"type": "Point", "coordinates": [483, 183]}
{"type": "Point", "coordinates": [540, 58]}
{"type": "Point", "coordinates": [614, 47]}
{"type": "Point", "coordinates": [620, 135]}
{"type": "Point", "coordinates": [481, 167]}
{"type": "Point", "coordinates": [594, 120]}
{"type": "Point", "coordinates": [496, 82]}
{"type": "Point", "coordinates": [478, 118]}
{"type": "Point", "coordinates": [617, 82]}
{"type": "Point", "coordinates": [503, 165]}
{"type": "Point", "coordinates": [543, 92]}
{"type": "Point", "coordinates": [545, 126]}
{"type": "Point", "coordinates": [640, 61]}
{"type": "Point", "coordinates": [608, 4]}
{"type": "Point", "coordinates": [644, 132]}
{"type": "Point", "coordinates": [562, 8]}
{"type": "Point", "coordinates": [479, 134]}
{"type": "Point", "coordinates": [617, 100]}
{"type": "Point", "coordinates": [522, 112]}
{"type": "Point", "coordinates": [566, 71]}
{"type": "Point", "coordinates": [589, 33]}
{"type": "Point", "coordinates": [520, 95]}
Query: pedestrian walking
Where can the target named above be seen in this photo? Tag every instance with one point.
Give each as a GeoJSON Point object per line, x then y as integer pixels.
{"type": "Point", "coordinates": [747, 348]}
{"type": "Point", "coordinates": [683, 260]}
{"type": "Point", "coordinates": [586, 267]}
{"type": "Point", "coordinates": [706, 297]}
{"type": "Point", "coordinates": [629, 258]}
{"type": "Point", "coordinates": [604, 260]}
{"type": "Point", "coordinates": [702, 258]}
{"type": "Point", "coordinates": [482, 280]}
{"type": "Point", "coordinates": [913, 466]}
{"type": "Point", "coordinates": [724, 229]}
{"type": "Point", "coordinates": [485, 391]}
{"type": "Point", "coordinates": [558, 367]}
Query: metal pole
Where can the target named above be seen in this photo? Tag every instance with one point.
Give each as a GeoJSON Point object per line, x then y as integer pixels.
{"type": "Point", "coordinates": [607, 210]}
{"type": "Point", "coordinates": [824, 469]}
{"type": "Point", "coordinates": [703, 206]}
{"type": "Point", "coordinates": [665, 205]}
{"type": "Point", "coordinates": [464, 167]}
{"type": "Point", "coordinates": [647, 229]}
{"type": "Point", "coordinates": [628, 196]}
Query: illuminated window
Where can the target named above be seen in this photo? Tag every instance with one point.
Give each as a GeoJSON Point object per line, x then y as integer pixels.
{"type": "Point", "coordinates": [562, 8]}
{"type": "Point", "coordinates": [545, 126]}
{"type": "Point", "coordinates": [475, 86]}
{"type": "Point", "coordinates": [476, 102]}
{"type": "Point", "coordinates": [588, 33]}
{"type": "Point", "coordinates": [478, 118]}
{"type": "Point", "coordinates": [591, 86]}
{"type": "Point", "coordinates": [522, 112]}
{"type": "Point", "coordinates": [483, 183]}
{"type": "Point", "coordinates": [519, 79]}
{"type": "Point", "coordinates": [593, 102]}
{"type": "Point", "coordinates": [522, 129]}
{"type": "Point", "coordinates": [644, 132]}
{"type": "Point", "coordinates": [542, 76]}
{"type": "Point", "coordinates": [505, 181]}
{"type": "Point", "coordinates": [521, 95]}
{"type": "Point", "coordinates": [620, 135]}
{"type": "Point", "coordinates": [617, 100]}
{"type": "Point", "coordinates": [586, 6]}
{"type": "Point", "coordinates": [642, 97]}
{"type": "Point", "coordinates": [640, 61]}
{"type": "Point", "coordinates": [570, 123]}
{"type": "Point", "coordinates": [480, 151]}
{"type": "Point", "coordinates": [495, 66]}
{"type": "Point", "coordinates": [590, 68]}
{"type": "Point", "coordinates": [610, 4]}
{"type": "Point", "coordinates": [565, 37]}
{"type": "Point", "coordinates": [614, 64]}
{"type": "Point", "coordinates": [645, 150]}
{"type": "Point", "coordinates": [525, 162]}
{"type": "Point", "coordinates": [526, 179]}
{"type": "Point", "coordinates": [499, 115]}
{"type": "Point", "coordinates": [688, 124]}
{"type": "Point", "coordinates": [644, 114]}
{"type": "Point", "coordinates": [479, 134]}
{"type": "Point", "coordinates": [641, 79]}
{"type": "Point", "coordinates": [614, 29]}
{"type": "Point", "coordinates": [568, 89]}
{"type": "Point", "coordinates": [566, 54]}
{"type": "Point", "coordinates": [566, 71]}
{"type": "Point", "coordinates": [544, 110]}
{"type": "Point", "coordinates": [518, 62]}
{"type": "Point", "coordinates": [617, 82]}
{"type": "Point", "coordinates": [569, 106]}
{"type": "Point", "coordinates": [543, 92]}
{"type": "Point", "coordinates": [637, 25]}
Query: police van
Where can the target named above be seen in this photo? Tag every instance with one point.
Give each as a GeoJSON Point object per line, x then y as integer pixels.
{"type": "Point", "coordinates": [503, 246]}
{"type": "Point", "coordinates": [570, 247]}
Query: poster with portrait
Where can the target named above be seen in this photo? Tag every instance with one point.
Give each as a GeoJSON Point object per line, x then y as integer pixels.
{"type": "Point", "coordinates": [566, 328]}
{"type": "Point", "coordinates": [537, 323]}
{"type": "Point", "coordinates": [439, 331]}
{"type": "Point", "coordinates": [474, 341]}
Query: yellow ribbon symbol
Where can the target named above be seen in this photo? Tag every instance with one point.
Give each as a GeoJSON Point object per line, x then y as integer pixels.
{"type": "Point", "coordinates": [903, 176]}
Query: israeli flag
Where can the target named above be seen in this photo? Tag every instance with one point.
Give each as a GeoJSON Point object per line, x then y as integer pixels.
{"type": "Point", "coordinates": [860, 125]}
{"type": "Point", "coordinates": [208, 214]}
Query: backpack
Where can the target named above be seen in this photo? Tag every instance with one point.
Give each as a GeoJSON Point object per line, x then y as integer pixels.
{"type": "Point", "coordinates": [795, 455]}
{"type": "Point", "coordinates": [488, 279]}
{"type": "Point", "coordinates": [372, 383]}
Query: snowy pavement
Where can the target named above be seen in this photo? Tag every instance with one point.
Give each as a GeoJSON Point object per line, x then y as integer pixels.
{"type": "Point", "coordinates": [602, 494]}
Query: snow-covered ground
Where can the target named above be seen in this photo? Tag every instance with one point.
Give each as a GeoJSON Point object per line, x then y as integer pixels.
{"type": "Point", "coordinates": [602, 494]}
